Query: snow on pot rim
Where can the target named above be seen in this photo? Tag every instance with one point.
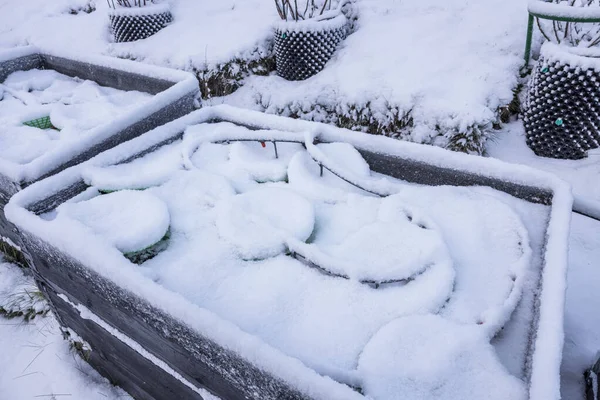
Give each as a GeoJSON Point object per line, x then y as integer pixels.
{"type": "Point", "coordinates": [548, 341]}
{"type": "Point", "coordinates": [576, 57]}
{"type": "Point", "coordinates": [312, 24]}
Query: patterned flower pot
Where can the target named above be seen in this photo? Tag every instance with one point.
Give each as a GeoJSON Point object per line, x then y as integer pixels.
{"type": "Point", "coordinates": [562, 110]}
{"type": "Point", "coordinates": [135, 23]}
{"type": "Point", "coordinates": [303, 48]}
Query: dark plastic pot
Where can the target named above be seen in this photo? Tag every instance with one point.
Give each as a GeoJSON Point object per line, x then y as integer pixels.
{"type": "Point", "coordinates": [562, 111]}
{"type": "Point", "coordinates": [303, 48]}
{"type": "Point", "coordinates": [130, 24]}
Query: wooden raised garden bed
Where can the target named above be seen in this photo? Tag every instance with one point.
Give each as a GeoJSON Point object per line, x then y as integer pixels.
{"type": "Point", "coordinates": [156, 344]}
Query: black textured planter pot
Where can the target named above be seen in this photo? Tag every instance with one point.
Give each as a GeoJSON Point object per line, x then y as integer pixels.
{"type": "Point", "coordinates": [303, 48]}
{"type": "Point", "coordinates": [562, 110]}
{"type": "Point", "coordinates": [130, 24]}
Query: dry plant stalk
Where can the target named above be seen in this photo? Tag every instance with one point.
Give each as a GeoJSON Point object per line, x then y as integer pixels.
{"type": "Point", "coordinates": [290, 10]}
{"type": "Point", "coordinates": [572, 33]}
{"type": "Point", "coordinates": [128, 3]}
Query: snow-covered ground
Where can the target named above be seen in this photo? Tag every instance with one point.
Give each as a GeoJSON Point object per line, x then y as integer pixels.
{"type": "Point", "coordinates": [36, 361]}
{"type": "Point", "coordinates": [509, 145]}
{"type": "Point", "coordinates": [443, 68]}
{"type": "Point", "coordinates": [582, 322]}
{"type": "Point", "coordinates": [428, 71]}
{"type": "Point", "coordinates": [73, 106]}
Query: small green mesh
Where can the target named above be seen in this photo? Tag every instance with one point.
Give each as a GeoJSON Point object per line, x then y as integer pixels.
{"type": "Point", "coordinates": [40, 123]}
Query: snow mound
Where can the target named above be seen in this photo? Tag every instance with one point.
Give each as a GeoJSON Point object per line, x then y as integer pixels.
{"type": "Point", "coordinates": [428, 357]}
{"type": "Point", "coordinates": [73, 105]}
{"type": "Point", "coordinates": [488, 243]}
{"type": "Point", "coordinates": [129, 220]}
{"type": "Point", "coordinates": [304, 176]}
{"type": "Point", "coordinates": [391, 247]}
{"type": "Point", "coordinates": [259, 222]}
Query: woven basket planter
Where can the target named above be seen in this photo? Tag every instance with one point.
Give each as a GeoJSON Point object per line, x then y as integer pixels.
{"type": "Point", "coordinates": [130, 24]}
{"type": "Point", "coordinates": [303, 48]}
{"type": "Point", "coordinates": [562, 110]}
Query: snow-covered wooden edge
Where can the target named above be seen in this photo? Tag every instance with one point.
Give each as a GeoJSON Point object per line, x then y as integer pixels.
{"type": "Point", "coordinates": [312, 25]}
{"type": "Point", "coordinates": [109, 263]}
{"type": "Point", "coordinates": [184, 83]}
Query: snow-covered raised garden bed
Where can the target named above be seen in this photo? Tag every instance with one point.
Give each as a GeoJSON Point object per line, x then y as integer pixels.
{"type": "Point", "coordinates": [58, 109]}
{"type": "Point", "coordinates": [287, 259]}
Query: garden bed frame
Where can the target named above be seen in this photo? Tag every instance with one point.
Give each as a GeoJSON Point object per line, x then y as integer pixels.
{"type": "Point", "coordinates": [174, 93]}
{"type": "Point", "coordinates": [156, 350]}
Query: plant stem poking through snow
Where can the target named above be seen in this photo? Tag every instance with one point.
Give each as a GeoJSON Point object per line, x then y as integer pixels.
{"type": "Point", "coordinates": [312, 8]}
{"type": "Point", "coordinates": [129, 3]}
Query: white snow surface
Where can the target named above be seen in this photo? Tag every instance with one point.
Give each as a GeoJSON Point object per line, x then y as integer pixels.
{"type": "Point", "coordinates": [446, 361]}
{"type": "Point", "coordinates": [129, 220]}
{"type": "Point", "coordinates": [451, 77]}
{"type": "Point", "coordinates": [208, 33]}
{"type": "Point", "coordinates": [37, 362]}
{"type": "Point", "coordinates": [73, 105]}
{"type": "Point", "coordinates": [183, 84]}
{"type": "Point", "coordinates": [451, 64]}
{"type": "Point", "coordinates": [564, 10]}
{"type": "Point", "coordinates": [273, 277]}
{"type": "Point", "coordinates": [582, 174]}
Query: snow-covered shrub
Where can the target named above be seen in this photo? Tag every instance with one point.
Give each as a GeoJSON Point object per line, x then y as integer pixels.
{"type": "Point", "coordinates": [571, 33]}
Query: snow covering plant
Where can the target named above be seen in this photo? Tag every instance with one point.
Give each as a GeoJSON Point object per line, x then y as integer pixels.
{"type": "Point", "coordinates": [290, 10]}
{"type": "Point", "coordinates": [571, 33]}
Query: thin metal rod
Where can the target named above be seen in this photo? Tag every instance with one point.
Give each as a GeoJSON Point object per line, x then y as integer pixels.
{"type": "Point", "coordinates": [528, 41]}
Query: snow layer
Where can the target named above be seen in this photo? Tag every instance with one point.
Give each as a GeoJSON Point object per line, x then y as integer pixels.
{"type": "Point", "coordinates": [73, 105]}
{"type": "Point", "coordinates": [581, 174]}
{"type": "Point", "coordinates": [449, 65]}
{"type": "Point", "coordinates": [417, 57]}
{"type": "Point", "coordinates": [428, 357]}
{"type": "Point", "coordinates": [129, 220]}
{"type": "Point", "coordinates": [183, 84]}
{"type": "Point", "coordinates": [232, 241]}
{"type": "Point", "coordinates": [564, 10]}
{"type": "Point", "coordinates": [37, 362]}
{"type": "Point", "coordinates": [546, 359]}
{"type": "Point", "coordinates": [208, 33]}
